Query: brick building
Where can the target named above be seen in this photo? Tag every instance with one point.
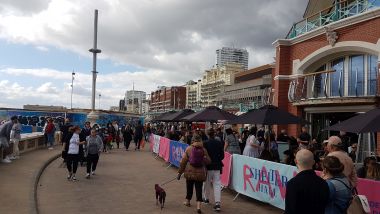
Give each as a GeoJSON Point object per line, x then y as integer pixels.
{"type": "Point", "coordinates": [166, 99]}
{"type": "Point", "coordinates": [327, 68]}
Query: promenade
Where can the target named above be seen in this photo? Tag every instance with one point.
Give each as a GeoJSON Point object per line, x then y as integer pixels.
{"type": "Point", "coordinates": [123, 184]}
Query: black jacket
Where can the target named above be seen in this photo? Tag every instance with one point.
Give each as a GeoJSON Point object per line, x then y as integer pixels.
{"type": "Point", "coordinates": [215, 151]}
{"type": "Point", "coordinates": [306, 193]}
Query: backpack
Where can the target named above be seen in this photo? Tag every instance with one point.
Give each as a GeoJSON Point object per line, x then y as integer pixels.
{"type": "Point", "coordinates": [359, 203]}
{"type": "Point", "coordinates": [196, 156]}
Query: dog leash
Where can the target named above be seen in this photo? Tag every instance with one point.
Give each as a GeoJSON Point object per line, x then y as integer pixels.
{"type": "Point", "coordinates": [168, 181]}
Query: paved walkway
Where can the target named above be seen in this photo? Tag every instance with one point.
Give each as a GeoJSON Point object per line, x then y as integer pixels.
{"type": "Point", "coordinates": [17, 181]}
{"type": "Point", "coordinates": [124, 184]}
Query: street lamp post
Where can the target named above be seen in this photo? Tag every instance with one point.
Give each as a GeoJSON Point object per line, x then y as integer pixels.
{"type": "Point", "coordinates": [93, 116]}
{"type": "Point", "coordinates": [99, 100]}
{"type": "Point", "coordinates": [72, 88]}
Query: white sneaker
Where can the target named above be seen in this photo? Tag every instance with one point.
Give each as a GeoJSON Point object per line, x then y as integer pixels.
{"type": "Point", "coordinates": [88, 175]}
{"type": "Point", "coordinates": [12, 158]}
{"type": "Point", "coordinates": [6, 160]}
{"type": "Point", "coordinates": [50, 148]}
{"type": "Point", "coordinates": [93, 173]}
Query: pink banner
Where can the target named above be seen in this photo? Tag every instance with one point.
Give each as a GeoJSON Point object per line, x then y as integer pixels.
{"type": "Point", "coordinates": [164, 148]}
{"type": "Point", "coordinates": [226, 172]}
{"type": "Point", "coordinates": [371, 189]}
{"type": "Point", "coordinates": [151, 142]}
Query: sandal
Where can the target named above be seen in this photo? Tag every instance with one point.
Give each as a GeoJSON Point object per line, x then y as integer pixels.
{"type": "Point", "coordinates": [186, 203]}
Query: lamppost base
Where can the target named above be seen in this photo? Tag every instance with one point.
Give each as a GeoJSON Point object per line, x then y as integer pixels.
{"type": "Point", "coordinates": [92, 117]}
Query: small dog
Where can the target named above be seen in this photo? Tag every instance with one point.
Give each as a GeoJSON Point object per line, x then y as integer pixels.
{"type": "Point", "coordinates": [160, 195]}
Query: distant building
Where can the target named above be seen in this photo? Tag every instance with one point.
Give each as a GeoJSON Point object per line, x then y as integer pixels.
{"type": "Point", "coordinates": [232, 55]}
{"type": "Point", "coordinates": [134, 101]}
{"type": "Point", "coordinates": [214, 79]}
{"type": "Point", "coordinates": [122, 106]}
{"type": "Point", "coordinates": [193, 94]}
{"type": "Point", "coordinates": [43, 107]}
{"type": "Point", "coordinates": [251, 90]}
{"type": "Point", "coordinates": [114, 108]}
{"type": "Point", "coordinates": [167, 98]}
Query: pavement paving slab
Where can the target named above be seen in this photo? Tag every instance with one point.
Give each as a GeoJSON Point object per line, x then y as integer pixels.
{"type": "Point", "coordinates": [124, 183]}
{"type": "Point", "coordinates": [17, 180]}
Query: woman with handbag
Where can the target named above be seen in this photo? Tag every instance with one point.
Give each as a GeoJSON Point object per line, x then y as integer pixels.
{"type": "Point", "coordinates": [339, 186]}
{"type": "Point", "coordinates": [193, 164]}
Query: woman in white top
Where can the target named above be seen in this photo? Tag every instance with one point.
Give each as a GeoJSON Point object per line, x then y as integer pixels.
{"type": "Point", "coordinates": [71, 146]}
{"type": "Point", "coordinates": [252, 146]}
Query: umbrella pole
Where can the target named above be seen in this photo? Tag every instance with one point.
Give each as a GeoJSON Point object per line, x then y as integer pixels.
{"type": "Point", "coordinates": [358, 150]}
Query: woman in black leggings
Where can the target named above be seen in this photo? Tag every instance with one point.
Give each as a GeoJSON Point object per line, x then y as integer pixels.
{"type": "Point", "coordinates": [71, 147]}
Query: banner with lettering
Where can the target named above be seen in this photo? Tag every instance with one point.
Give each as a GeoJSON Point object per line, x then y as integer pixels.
{"type": "Point", "coordinates": [164, 148]}
{"type": "Point", "coordinates": [261, 180]}
{"type": "Point", "coordinates": [177, 150]}
{"type": "Point", "coordinates": [226, 172]}
{"type": "Point", "coordinates": [371, 189]}
{"type": "Point", "coordinates": [156, 144]}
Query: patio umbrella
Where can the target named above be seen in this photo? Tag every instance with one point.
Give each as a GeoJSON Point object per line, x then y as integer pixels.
{"type": "Point", "coordinates": [175, 117]}
{"type": "Point", "coordinates": [163, 115]}
{"type": "Point", "coordinates": [209, 114]}
{"type": "Point", "coordinates": [362, 123]}
{"type": "Point", "coordinates": [267, 115]}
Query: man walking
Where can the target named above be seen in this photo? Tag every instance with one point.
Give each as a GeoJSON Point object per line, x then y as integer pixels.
{"type": "Point", "coordinates": [214, 148]}
{"type": "Point", "coordinates": [139, 133]}
{"type": "Point", "coordinates": [5, 135]}
{"type": "Point", "coordinates": [306, 192]}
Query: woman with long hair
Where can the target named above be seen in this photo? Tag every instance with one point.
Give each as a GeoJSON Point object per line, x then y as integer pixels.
{"type": "Point", "coordinates": [193, 164]}
{"type": "Point", "coordinates": [231, 145]}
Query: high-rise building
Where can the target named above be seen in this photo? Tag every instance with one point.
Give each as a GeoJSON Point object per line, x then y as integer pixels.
{"type": "Point", "coordinates": [232, 55]}
{"type": "Point", "coordinates": [134, 101]}
{"type": "Point", "coordinates": [214, 79]}
{"type": "Point", "coordinates": [193, 94]}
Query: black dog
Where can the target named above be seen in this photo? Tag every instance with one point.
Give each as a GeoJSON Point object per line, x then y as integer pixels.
{"type": "Point", "coordinates": [160, 195]}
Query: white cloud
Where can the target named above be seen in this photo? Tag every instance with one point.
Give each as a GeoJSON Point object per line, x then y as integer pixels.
{"type": "Point", "coordinates": [42, 48]}
{"type": "Point", "coordinates": [171, 41]}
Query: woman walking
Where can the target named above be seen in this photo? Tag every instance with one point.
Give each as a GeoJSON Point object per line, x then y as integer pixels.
{"type": "Point", "coordinates": [127, 136]}
{"type": "Point", "coordinates": [339, 186]}
{"type": "Point", "coordinates": [94, 146]}
{"type": "Point", "coordinates": [193, 165]}
{"type": "Point", "coordinates": [71, 148]}
{"type": "Point", "coordinates": [252, 147]}
{"type": "Point", "coordinates": [231, 144]}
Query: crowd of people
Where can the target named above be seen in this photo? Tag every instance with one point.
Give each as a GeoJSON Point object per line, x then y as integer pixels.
{"type": "Point", "coordinates": [85, 145]}
{"type": "Point", "coordinates": [264, 144]}
{"type": "Point", "coordinates": [335, 157]}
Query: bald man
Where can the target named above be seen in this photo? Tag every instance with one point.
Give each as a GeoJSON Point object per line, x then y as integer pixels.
{"type": "Point", "coordinates": [306, 192]}
{"type": "Point", "coordinates": [335, 147]}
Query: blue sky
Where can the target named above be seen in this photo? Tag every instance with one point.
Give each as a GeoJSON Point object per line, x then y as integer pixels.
{"type": "Point", "coordinates": [29, 56]}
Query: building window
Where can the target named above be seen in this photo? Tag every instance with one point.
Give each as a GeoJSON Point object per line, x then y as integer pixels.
{"type": "Point", "coordinates": [319, 85]}
{"type": "Point", "coordinates": [372, 75]}
{"type": "Point", "coordinates": [337, 77]}
{"type": "Point", "coordinates": [356, 76]}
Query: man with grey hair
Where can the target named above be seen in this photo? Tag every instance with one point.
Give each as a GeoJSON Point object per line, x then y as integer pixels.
{"type": "Point", "coordinates": [336, 148]}
{"type": "Point", "coordinates": [306, 192]}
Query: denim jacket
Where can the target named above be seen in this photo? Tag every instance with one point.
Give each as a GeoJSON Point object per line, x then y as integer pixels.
{"type": "Point", "coordinates": [340, 195]}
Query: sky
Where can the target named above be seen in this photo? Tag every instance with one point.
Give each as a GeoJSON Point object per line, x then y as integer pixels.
{"type": "Point", "coordinates": [150, 43]}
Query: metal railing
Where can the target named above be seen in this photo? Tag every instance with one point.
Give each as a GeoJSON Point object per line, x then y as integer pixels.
{"type": "Point", "coordinates": [340, 10]}
{"type": "Point", "coordinates": [322, 86]}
